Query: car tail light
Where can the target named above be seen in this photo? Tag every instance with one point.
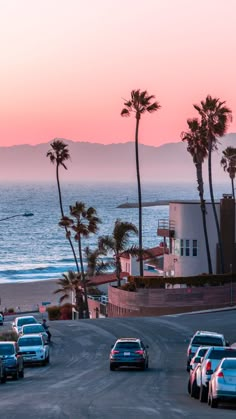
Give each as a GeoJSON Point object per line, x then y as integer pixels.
{"type": "Point", "coordinates": [140, 352]}
{"type": "Point", "coordinates": [113, 352]}
{"type": "Point", "coordinates": [220, 374]}
{"type": "Point", "coordinates": [208, 366]}
{"type": "Point", "coordinates": [189, 352]}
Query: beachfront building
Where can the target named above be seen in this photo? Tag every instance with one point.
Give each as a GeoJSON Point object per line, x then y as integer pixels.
{"type": "Point", "coordinates": [184, 231]}
{"type": "Point", "coordinates": [153, 261]}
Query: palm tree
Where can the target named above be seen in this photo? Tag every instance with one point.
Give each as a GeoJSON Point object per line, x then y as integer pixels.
{"type": "Point", "coordinates": [197, 147]}
{"type": "Point", "coordinates": [95, 263]}
{"type": "Point", "coordinates": [71, 283]}
{"type": "Point", "coordinates": [83, 223]}
{"type": "Point", "coordinates": [139, 103]}
{"type": "Point", "coordinates": [58, 155]}
{"type": "Point", "coordinates": [215, 115]}
{"type": "Point", "coordinates": [228, 162]}
{"type": "Point", "coordinates": [118, 243]}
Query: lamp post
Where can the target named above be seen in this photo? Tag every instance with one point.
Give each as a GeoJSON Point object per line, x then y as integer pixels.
{"type": "Point", "coordinates": [25, 214]}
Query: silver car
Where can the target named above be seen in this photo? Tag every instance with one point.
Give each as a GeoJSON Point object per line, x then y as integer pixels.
{"type": "Point", "coordinates": [222, 385]}
{"type": "Point", "coordinates": [37, 328]}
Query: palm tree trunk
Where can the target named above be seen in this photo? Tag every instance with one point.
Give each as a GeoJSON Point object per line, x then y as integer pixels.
{"type": "Point", "coordinates": [203, 210]}
{"type": "Point", "coordinates": [62, 214]}
{"type": "Point", "coordinates": [232, 185]}
{"type": "Point", "coordinates": [83, 279]}
{"type": "Point", "coordinates": [139, 197]}
{"type": "Point", "coordinates": [222, 268]}
{"type": "Point", "coordinates": [118, 270]}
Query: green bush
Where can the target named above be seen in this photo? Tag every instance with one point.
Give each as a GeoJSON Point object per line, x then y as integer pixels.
{"type": "Point", "coordinates": [192, 281]}
{"type": "Point", "coordinates": [66, 312]}
{"type": "Point", "coordinates": [54, 312]}
{"type": "Point", "coordinates": [129, 286]}
{"type": "Point", "coordinates": [10, 335]}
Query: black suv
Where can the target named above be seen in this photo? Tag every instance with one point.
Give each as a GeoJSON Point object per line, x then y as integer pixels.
{"type": "Point", "coordinates": [12, 360]}
{"type": "Point", "coordinates": [3, 375]}
{"type": "Point", "coordinates": [129, 352]}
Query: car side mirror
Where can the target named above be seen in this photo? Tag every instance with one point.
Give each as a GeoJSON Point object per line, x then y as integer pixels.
{"type": "Point", "coordinates": [13, 324]}
{"type": "Point", "coordinates": [112, 346]}
{"type": "Point", "coordinates": [227, 343]}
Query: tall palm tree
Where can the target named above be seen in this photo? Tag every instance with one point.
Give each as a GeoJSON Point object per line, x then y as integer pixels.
{"type": "Point", "coordinates": [59, 154]}
{"type": "Point", "coordinates": [83, 223]}
{"type": "Point", "coordinates": [228, 162]}
{"type": "Point", "coordinates": [139, 103]}
{"type": "Point", "coordinates": [215, 115]}
{"type": "Point", "coordinates": [118, 243]}
{"type": "Point", "coordinates": [197, 147]}
{"type": "Point", "coordinates": [71, 283]}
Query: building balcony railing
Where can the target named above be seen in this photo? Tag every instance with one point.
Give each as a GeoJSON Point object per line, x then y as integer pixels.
{"type": "Point", "coordinates": [166, 227]}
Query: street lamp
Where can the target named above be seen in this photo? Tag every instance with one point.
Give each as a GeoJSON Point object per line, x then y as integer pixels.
{"type": "Point", "coordinates": [26, 214]}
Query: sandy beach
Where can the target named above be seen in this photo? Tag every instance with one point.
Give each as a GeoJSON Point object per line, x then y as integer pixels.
{"type": "Point", "coordinates": [28, 295]}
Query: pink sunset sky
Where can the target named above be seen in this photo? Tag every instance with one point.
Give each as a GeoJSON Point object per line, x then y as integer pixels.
{"type": "Point", "coordinates": [66, 66]}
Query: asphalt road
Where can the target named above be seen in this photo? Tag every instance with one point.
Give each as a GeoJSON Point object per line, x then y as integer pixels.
{"type": "Point", "coordinates": [78, 383]}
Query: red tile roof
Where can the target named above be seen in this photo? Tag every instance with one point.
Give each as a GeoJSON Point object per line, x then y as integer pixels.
{"type": "Point", "coordinates": [105, 279]}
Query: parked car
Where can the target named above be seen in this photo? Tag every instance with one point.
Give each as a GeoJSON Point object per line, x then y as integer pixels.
{"type": "Point", "coordinates": [197, 357]}
{"type": "Point", "coordinates": [3, 375]}
{"type": "Point", "coordinates": [193, 389]}
{"type": "Point", "coordinates": [129, 352]}
{"type": "Point", "coordinates": [209, 363]}
{"type": "Point", "coordinates": [12, 360]}
{"type": "Point", "coordinates": [204, 338]}
{"type": "Point", "coordinates": [21, 321]}
{"type": "Point", "coordinates": [222, 385]}
{"type": "Point", "coordinates": [34, 349]}
{"type": "Point", "coordinates": [37, 328]}
{"type": "Point", "coordinates": [1, 319]}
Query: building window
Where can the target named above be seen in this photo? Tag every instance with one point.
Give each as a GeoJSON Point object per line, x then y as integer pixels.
{"type": "Point", "coordinates": [188, 247]}
{"type": "Point", "coordinates": [194, 248]}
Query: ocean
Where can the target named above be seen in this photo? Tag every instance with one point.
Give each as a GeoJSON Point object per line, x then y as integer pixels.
{"type": "Point", "coordinates": [35, 248]}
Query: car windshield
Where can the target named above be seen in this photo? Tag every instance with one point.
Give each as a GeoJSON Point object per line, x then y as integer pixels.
{"type": "Point", "coordinates": [202, 352]}
{"type": "Point", "coordinates": [33, 329]}
{"type": "Point", "coordinates": [34, 341]}
{"type": "Point", "coordinates": [6, 349]}
{"type": "Point", "coordinates": [230, 353]}
{"type": "Point", "coordinates": [28, 320]}
{"type": "Point", "coordinates": [229, 364]}
{"type": "Point", "coordinates": [207, 340]}
{"type": "Point", "coordinates": [127, 345]}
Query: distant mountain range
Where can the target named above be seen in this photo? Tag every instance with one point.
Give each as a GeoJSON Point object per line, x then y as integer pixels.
{"type": "Point", "coordinates": [114, 162]}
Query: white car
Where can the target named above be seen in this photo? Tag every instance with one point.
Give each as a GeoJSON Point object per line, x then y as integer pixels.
{"type": "Point", "coordinates": [21, 321]}
{"type": "Point", "coordinates": [36, 328]}
{"type": "Point", "coordinates": [34, 349]}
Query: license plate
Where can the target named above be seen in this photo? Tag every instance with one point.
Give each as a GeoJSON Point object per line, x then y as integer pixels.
{"type": "Point", "coordinates": [126, 353]}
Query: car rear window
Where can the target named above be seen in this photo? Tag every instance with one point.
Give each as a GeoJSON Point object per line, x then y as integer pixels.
{"type": "Point", "coordinates": [30, 320]}
{"type": "Point", "coordinates": [230, 353]}
{"type": "Point", "coordinates": [229, 364]}
{"type": "Point", "coordinates": [35, 341]}
{"type": "Point", "coordinates": [6, 349]}
{"type": "Point", "coordinates": [128, 345]}
{"type": "Point", "coordinates": [33, 329]}
{"type": "Point", "coordinates": [207, 340]}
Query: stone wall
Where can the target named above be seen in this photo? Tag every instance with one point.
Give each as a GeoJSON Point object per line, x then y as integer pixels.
{"type": "Point", "coordinates": [156, 302]}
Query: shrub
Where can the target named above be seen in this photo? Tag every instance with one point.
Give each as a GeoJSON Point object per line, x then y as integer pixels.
{"type": "Point", "coordinates": [11, 310]}
{"type": "Point", "coordinates": [66, 312]}
{"type": "Point", "coordinates": [10, 335]}
{"type": "Point", "coordinates": [54, 312]}
{"type": "Point", "coordinates": [130, 286]}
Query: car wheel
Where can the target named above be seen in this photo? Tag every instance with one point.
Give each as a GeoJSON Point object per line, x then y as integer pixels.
{"type": "Point", "coordinates": [213, 402]}
{"type": "Point", "coordinates": [203, 394]}
{"type": "Point", "coordinates": [189, 387]}
{"type": "Point", "coordinates": [147, 364]}
{"type": "Point", "coordinates": [3, 379]}
{"type": "Point", "coordinates": [194, 392]}
{"type": "Point", "coordinates": [48, 359]}
{"type": "Point", "coordinates": [22, 373]}
{"type": "Point", "coordinates": [112, 368]}
{"type": "Point", "coordinates": [16, 375]}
